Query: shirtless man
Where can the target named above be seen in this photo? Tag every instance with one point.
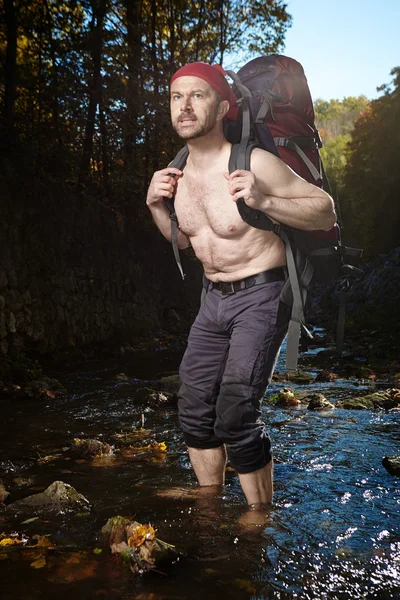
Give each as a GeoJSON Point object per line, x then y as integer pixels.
{"type": "Point", "coordinates": [236, 337]}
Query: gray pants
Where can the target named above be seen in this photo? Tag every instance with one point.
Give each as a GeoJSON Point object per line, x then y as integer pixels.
{"type": "Point", "coordinates": [231, 354]}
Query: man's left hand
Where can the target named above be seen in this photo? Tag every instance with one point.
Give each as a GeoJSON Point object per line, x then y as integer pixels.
{"type": "Point", "coordinates": [243, 184]}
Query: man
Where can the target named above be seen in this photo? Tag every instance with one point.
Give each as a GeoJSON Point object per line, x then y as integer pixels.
{"type": "Point", "coordinates": [235, 340]}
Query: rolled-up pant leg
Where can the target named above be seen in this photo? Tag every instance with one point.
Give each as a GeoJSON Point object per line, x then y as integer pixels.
{"type": "Point", "coordinates": [232, 350]}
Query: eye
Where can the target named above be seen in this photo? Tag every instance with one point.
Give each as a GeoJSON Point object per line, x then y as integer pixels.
{"type": "Point", "coordinates": [175, 96]}
{"type": "Point", "coordinates": [198, 95]}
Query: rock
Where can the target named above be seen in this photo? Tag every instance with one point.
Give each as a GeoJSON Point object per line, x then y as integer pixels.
{"type": "Point", "coordinates": [318, 401]}
{"type": "Point", "coordinates": [3, 492]}
{"type": "Point", "coordinates": [152, 398]}
{"type": "Point", "coordinates": [299, 377]}
{"type": "Point", "coordinates": [171, 383]}
{"type": "Point", "coordinates": [326, 376]}
{"type": "Point", "coordinates": [387, 400]}
{"type": "Point", "coordinates": [13, 390]}
{"type": "Point", "coordinates": [286, 398]}
{"type": "Point", "coordinates": [59, 497]}
{"type": "Point", "coordinates": [90, 448]}
{"type": "Point", "coordinates": [122, 377]}
{"type": "Point", "coordinates": [392, 464]}
{"type": "Point", "coordinates": [45, 388]}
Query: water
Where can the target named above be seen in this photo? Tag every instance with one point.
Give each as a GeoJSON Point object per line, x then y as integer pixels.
{"type": "Point", "coordinates": [333, 531]}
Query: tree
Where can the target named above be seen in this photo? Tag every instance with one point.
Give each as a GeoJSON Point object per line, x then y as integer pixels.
{"type": "Point", "coordinates": [10, 86]}
{"type": "Point", "coordinates": [335, 122]}
{"type": "Point", "coordinates": [372, 176]}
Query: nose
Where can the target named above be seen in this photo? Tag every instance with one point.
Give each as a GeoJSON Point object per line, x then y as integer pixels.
{"type": "Point", "coordinates": [186, 105]}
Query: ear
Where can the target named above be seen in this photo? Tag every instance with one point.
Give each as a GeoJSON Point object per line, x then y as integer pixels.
{"type": "Point", "coordinates": [223, 109]}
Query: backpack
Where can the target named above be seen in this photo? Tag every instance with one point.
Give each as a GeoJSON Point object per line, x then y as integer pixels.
{"type": "Point", "coordinates": [277, 115]}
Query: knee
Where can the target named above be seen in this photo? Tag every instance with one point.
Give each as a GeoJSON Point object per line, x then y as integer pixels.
{"type": "Point", "coordinates": [197, 419]}
{"type": "Point", "coordinates": [239, 426]}
{"type": "Point", "coordinates": [238, 411]}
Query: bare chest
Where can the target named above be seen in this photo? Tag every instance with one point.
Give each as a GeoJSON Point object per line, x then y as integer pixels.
{"type": "Point", "coordinates": [207, 204]}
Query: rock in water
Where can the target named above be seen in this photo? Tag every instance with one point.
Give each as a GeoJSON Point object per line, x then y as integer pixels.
{"type": "Point", "coordinates": [45, 388]}
{"type": "Point", "coordinates": [392, 464]}
{"type": "Point", "coordinates": [3, 493]}
{"type": "Point", "coordinates": [379, 400]}
{"type": "Point", "coordinates": [286, 398]}
{"type": "Point", "coordinates": [318, 401]}
{"type": "Point", "coordinates": [58, 497]}
{"type": "Point", "coordinates": [326, 376]}
{"type": "Point", "coordinates": [90, 448]}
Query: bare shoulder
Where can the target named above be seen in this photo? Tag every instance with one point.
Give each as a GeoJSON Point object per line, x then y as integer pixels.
{"type": "Point", "coordinates": [266, 165]}
{"type": "Point", "coordinates": [263, 157]}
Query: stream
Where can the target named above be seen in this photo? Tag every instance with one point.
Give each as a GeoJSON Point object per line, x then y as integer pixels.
{"type": "Point", "coordinates": [333, 531]}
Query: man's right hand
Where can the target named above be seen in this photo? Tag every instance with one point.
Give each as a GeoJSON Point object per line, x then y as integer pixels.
{"type": "Point", "coordinates": [162, 185]}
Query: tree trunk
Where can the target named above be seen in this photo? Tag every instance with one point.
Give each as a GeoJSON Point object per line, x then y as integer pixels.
{"type": "Point", "coordinates": [10, 90]}
{"type": "Point", "coordinates": [134, 18]}
{"type": "Point", "coordinates": [99, 9]}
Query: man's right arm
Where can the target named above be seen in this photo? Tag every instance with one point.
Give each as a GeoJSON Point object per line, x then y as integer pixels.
{"type": "Point", "coordinates": [162, 186]}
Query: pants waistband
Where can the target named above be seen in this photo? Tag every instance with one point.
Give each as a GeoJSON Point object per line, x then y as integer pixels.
{"type": "Point", "coordinates": [230, 287]}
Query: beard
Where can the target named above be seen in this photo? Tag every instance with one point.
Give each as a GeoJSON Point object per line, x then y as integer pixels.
{"type": "Point", "coordinates": [196, 129]}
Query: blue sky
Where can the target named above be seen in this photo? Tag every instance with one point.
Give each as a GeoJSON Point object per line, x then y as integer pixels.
{"type": "Point", "coordinates": [347, 47]}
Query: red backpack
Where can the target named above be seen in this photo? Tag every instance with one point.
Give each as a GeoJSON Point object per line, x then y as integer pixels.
{"type": "Point", "coordinates": [277, 114]}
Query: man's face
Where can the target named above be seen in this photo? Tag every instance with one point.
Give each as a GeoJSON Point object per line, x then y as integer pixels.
{"type": "Point", "coordinates": [194, 107]}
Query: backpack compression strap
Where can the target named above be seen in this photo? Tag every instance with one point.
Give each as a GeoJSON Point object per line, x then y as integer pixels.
{"type": "Point", "coordinates": [240, 159]}
{"type": "Point", "coordinates": [289, 143]}
{"type": "Point", "coordinates": [179, 163]}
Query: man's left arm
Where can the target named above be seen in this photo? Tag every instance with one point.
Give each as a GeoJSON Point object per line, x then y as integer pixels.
{"type": "Point", "coordinates": [276, 190]}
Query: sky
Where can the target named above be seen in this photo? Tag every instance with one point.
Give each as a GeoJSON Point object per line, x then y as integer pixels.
{"type": "Point", "coordinates": [346, 47]}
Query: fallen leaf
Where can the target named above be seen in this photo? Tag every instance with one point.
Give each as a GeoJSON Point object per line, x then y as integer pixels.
{"type": "Point", "coordinates": [140, 534]}
{"type": "Point", "coordinates": [29, 520]}
{"type": "Point", "coordinates": [10, 542]}
{"type": "Point", "coordinates": [118, 548]}
{"type": "Point", "coordinates": [39, 563]}
{"type": "Point", "coordinates": [44, 460]}
{"type": "Point", "coordinates": [44, 542]}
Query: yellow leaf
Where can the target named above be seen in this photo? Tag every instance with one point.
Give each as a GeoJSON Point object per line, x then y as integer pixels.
{"type": "Point", "coordinates": [140, 534]}
{"type": "Point", "coordinates": [10, 542]}
{"type": "Point", "coordinates": [160, 447]}
{"type": "Point", "coordinates": [44, 542]}
{"type": "Point", "coordinates": [39, 563]}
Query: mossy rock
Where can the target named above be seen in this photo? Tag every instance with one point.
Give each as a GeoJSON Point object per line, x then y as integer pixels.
{"type": "Point", "coordinates": [368, 402]}
{"type": "Point", "coordinates": [58, 497]}
{"type": "Point", "coordinates": [300, 377]}
{"type": "Point", "coordinates": [285, 398]}
{"type": "Point", "coordinates": [318, 401]}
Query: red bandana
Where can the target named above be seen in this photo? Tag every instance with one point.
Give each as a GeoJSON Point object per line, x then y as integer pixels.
{"type": "Point", "coordinates": [215, 76]}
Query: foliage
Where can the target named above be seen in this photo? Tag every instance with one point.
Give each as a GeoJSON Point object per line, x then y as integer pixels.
{"type": "Point", "coordinates": [85, 98]}
{"type": "Point", "coordinates": [372, 177]}
{"type": "Point", "coordinates": [335, 122]}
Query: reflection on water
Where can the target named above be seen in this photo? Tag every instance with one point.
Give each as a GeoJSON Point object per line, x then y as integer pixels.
{"type": "Point", "coordinates": [333, 531]}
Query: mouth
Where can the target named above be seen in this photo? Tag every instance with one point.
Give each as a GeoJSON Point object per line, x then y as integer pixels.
{"type": "Point", "coordinates": [187, 120]}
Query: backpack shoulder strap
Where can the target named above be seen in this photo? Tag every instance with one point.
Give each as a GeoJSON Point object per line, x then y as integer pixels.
{"type": "Point", "coordinates": [178, 162]}
{"type": "Point", "coordinates": [240, 159]}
